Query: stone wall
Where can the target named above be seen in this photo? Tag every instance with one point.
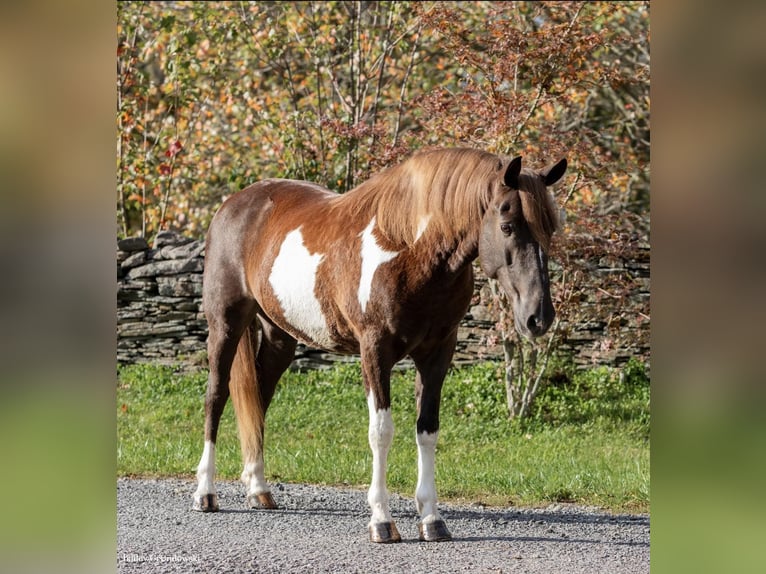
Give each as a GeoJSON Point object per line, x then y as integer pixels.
{"type": "Point", "coordinates": [159, 317]}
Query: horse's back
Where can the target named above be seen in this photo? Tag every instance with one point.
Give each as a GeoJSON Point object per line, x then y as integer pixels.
{"type": "Point", "coordinates": [249, 207]}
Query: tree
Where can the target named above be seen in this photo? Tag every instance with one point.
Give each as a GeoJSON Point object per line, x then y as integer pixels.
{"type": "Point", "coordinates": [311, 90]}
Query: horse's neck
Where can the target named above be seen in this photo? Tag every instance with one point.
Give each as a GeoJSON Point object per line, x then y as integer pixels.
{"type": "Point", "coordinates": [464, 253]}
{"type": "Point", "coordinates": [453, 255]}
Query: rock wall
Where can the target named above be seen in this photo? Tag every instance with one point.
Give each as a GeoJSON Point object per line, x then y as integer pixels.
{"type": "Point", "coordinates": [159, 316]}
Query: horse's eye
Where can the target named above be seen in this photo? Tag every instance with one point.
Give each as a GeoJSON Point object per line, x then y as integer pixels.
{"type": "Point", "coordinates": [506, 228]}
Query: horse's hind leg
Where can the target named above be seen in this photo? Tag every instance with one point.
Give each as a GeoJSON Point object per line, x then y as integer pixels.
{"type": "Point", "coordinates": [275, 353]}
{"type": "Point", "coordinates": [226, 324]}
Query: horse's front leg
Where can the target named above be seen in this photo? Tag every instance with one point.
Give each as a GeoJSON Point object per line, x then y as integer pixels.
{"type": "Point", "coordinates": [381, 435]}
{"type": "Point", "coordinates": [432, 527]}
{"type": "Point", "coordinates": [431, 370]}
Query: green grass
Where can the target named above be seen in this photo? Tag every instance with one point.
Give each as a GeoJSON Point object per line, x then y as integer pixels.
{"type": "Point", "coordinates": [587, 441]}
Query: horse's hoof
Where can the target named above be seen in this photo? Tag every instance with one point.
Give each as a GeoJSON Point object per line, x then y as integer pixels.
{"type": "Point", "coordinates": [384, 533]}
{"type": "Point", "coordinates": [206, 503]}
{"type": "Point", "coordinates": [434, 531]}
{"type": "Point", "coordinates": [263, 501]}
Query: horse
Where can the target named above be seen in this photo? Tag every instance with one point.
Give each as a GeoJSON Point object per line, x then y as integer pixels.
{"type": "Point", "coordinates": [383, 271]}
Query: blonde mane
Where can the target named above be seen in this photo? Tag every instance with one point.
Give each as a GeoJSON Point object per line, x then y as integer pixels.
{"type": "Point", "coordinates": [447, 189]}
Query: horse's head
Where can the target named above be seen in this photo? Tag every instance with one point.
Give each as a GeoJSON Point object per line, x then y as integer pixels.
{"type": "Point", "coordinates": [515, 237]}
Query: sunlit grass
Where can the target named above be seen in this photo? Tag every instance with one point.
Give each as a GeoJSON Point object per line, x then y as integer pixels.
{"type": "Point", "coordinates": [317, 433]}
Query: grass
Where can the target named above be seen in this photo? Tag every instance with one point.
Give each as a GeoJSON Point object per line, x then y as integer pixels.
{"type": "Point", "coordinates": [587, 441]}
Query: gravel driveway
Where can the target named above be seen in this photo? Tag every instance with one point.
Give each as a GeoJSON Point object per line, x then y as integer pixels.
{"type": "Point", "coordinates": [321, 529]}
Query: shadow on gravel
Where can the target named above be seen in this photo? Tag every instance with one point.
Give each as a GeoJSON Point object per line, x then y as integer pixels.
{"type": "Point", "coordinates": [543, 539]}
{"type": "Point", "coordinates": [547, 517]}
{"type": "Point", "coordinates": [291, 512]}
{"type": "Point", "coordinates": [539, 518]}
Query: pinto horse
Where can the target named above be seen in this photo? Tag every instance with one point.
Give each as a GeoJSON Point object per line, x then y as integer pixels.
{"type": "Point", "coordinates": [383, 271]}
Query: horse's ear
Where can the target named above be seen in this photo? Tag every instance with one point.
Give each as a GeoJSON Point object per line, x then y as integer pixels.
{"type": "Point", "coordinates": [511, 177]}
{"type": "Point", "coordinates": [553, 173]}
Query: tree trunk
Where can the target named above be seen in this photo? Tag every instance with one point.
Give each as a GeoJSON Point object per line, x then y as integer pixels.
{"type": "Point", "coordinates": [509, 350]}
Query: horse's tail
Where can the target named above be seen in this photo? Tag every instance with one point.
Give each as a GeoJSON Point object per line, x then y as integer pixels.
{"type": "Point", "coordinates": [246, 394]}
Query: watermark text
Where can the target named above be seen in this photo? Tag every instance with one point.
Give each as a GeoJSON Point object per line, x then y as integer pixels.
{"type": "Point", "coordinates": [136, 557]}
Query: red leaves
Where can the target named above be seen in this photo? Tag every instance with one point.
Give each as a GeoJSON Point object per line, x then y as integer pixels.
{"type": "Point", "coordinates": [174, 148]}
{"type": "Point", "coordinates": [172, 151]}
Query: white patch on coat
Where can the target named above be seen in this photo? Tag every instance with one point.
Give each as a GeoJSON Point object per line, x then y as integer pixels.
{"type": "Point", "coordinates": [381, 435]}
{"type": "Point", "coordinates": [373, 256]}
{"type": "Point", "coordinates": [206, 472]}
{"type": "Point", "coordinates": [425, 493]}
{"type": "Point", "coordinates": [293, 279]}
{"type": "Point", "coordinates": [422, 225]}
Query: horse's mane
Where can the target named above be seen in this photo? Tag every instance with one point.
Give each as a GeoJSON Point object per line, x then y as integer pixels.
{"type": "Point", "coordinates": [450, 189]}
{"type": "Point", "coordinates": [539, 208]}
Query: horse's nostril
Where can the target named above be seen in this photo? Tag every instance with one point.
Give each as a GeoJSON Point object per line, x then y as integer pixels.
{"type": "Point", "coordinates": [533, 324]}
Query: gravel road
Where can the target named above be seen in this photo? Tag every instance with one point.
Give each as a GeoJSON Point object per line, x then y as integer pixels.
{"type": "Point", "coordinates": [321, 529]}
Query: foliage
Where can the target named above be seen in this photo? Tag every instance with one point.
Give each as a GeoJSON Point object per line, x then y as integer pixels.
{"type": "Point", "coordinates": [242, 91]}
{"type": "Point", "coordinates": [604, 397]}
{"type": "Point", "coordinates": [600, 396]}
{"type": "Point", "coordinates": [546, 80]}
{"type": "Point", "coordinates": [213, 96]}
{"type": "Point", "coordinates": [317, 432]}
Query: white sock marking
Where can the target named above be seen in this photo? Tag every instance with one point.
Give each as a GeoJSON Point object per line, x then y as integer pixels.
{"type": "Point", "coordinates": [373, 256]}
{"type": "Point", "coordinates": [206, 471]}
{"type": "Point", "coordinates": [254, 478]}
{"type": "Point", "coordinates": [293, 279]}
{"type": "Point", "coordinates": [381, 434]}
{"type": "Point", "coordinates": [425, 493]}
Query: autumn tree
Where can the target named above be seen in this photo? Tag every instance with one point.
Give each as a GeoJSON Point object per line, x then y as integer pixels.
{"type": "Point", "coordinates": [213, 96]}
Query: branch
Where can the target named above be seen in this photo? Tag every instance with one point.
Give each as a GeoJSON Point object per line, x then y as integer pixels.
{"type": "Point", "coordinates": [319, 112]}
{"type": "Point", "coordinates": [403, 91]}
{"type": "Point", "coordinates": [357, 99]}
{"type": "Point", "coordinates": [146, 158]}
{"type": "Point", "coordinates": [510, 387]}
{"type": "Point", "coordinates": [166, 196]}
{"type": "Point", "coordinates": [381, 73]}
{"type": "Point", "coordinates": [541, 87]}
{"type": "Point", "coordinates": [252, 41]}
{"type": "Point", "coordinates": [607, 293]}
{"type": "Point", "coordinates": [572, 189]}
{"type": "Point", "coordinates": [344, 104]}
{"type": "Point", "coordinates": [529, 397]}
{"type": "Point", "coordinates": [574, 18]}
{"type": "Point", "coordinates": [523, 124]}
{"type": "Point", "coordinates": [122, 75]}
{"type": "Point", "coordinates": [120, 156]}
